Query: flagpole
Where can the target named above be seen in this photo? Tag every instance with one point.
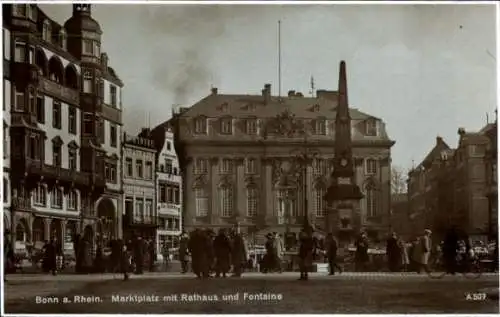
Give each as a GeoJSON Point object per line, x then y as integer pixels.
{"type": "Point", "coordinates": [279, 58]}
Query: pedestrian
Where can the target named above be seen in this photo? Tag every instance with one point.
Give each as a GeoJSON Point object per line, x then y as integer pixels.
{"type": "Point", "coordinates": [393, 253]}
{"type": "Point", "coordinates": [269, 260]}
{"type": "Point", "coordinates": [184, 252]}
{"type": "Point", "coordinates": [99, 259]}
{"type": "Point", "coordinates": [50, 256]}
{"type": "Point", "coordinates": [423, 251]}
{"type": "Point", "coordinates": [279, 248]}
{"type": "Point", "coordinates": [166, 257]}
{"type": "Point", "coordinates": [209, 240]}
{"type": "Point", "coordinates": [139, 252]}
{"type": "Point", "coordinates": [331, 247]}
{"type": "Point", "coordinates": [197, 244]}
{"type": "Point", "coordinates": [8, 254]}
{"type": "Point", "coordinates": [405, 261]}
{"type": "Point", "coordinates": [306, 251]}
{"type": "Point", "coordinates": [152, 254]}
{"type": "Point", "coordinates": [125, 262]}
{"type": "Point", "coordinates": [239, 255]}
{"type": "Point", "coordinates": [361, 255]}
{"type": "Point", "coordinates": [222, 247]}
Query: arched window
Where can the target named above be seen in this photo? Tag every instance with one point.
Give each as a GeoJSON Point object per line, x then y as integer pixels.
{"type": "Point", "coordinates": [63, 39]}
{"type": "Point", "coordinates": [21, 232]}
{"type": "Point", "coordinates": [201, 197]}
{"type": "Point", "coordinates": [226, 199]}
{"type": "Point", "coordinates": [72, 200]}
{"type": "Point", "coordinates": [56, 198]}
{"type": "Point", "coordinates": [46, 31]}
{"type": "Point", "coordinates": [319, 201]}
{"type": "Point", "coordinates": [371, 202]}
{"type": "Point", "coordinates": [252, 201]}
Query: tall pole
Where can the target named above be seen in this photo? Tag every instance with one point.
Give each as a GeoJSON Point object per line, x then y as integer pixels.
{"type": "Point", "coordinates": [279, 58]}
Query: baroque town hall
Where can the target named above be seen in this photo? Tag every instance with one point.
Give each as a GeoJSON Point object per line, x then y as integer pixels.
{"type": "Point", "coordinates": [62, 126]}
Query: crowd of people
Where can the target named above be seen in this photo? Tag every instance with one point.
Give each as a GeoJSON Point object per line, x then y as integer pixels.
{"type": "Point", "coordinates": [215, 255]}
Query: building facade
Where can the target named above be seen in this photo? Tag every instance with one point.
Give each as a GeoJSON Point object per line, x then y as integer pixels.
{"type": "Point", "coordinates": [168, 188]}
{"type": "Point", "coordinates": [61, 102]}
{"type": "Point", "coordinates": [454, 186]}
{"type": "Point", "coordinates": [238, 157]}
{"type": "Point", "coordinates": [139, 188]}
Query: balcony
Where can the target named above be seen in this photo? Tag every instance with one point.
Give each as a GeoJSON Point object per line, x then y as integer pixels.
{"type": "Point", "coordinates": [169, 209]}
{"type": "Point", "coordinates": [20, 118]}
{"type": "Point", "coordinates": [54, 172]}
{"type": "Point", "coordinates": [66, 94]}
{"type": "Point", "coordinates": [24, 73]}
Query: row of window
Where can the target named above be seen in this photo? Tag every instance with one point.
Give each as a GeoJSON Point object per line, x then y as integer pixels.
{"type": "Point", "coordinates": [168, 167]}
{"type": "Point", "coordinates": [37, 107]}
{"type": "Point", "coordinates": [171, 224]}
{"type": "Point", "coordinates": [140, 172]}
{"type": "Point", "coordinates": [169, 193]}
{"type": "Point", "coordinates": [61, 39]}
{"type": "Point", "coordinates": [320, 166]}
{"type": "Point", "coordinates": [140, 208]}
{"type": "Point", "coordinates": [88, 128]}
{"type": "Point", "coordinates": [285, 205]}
{"type": "Point", "coordinates": [56, 198]}
{"type": "Point", "coordinates": [89, 87]}
{"type": "Point", "coordinates": [251, 125]}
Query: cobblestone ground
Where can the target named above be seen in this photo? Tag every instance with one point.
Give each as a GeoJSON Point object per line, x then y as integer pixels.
{"type": "Point", "coordinates": [347, 293]}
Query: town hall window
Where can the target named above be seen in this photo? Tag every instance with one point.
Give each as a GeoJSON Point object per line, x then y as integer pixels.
{"type": "Point", "coordinates": [200, 125]}
{"type": "Point", "coordinates": [227, 126]}
{"type": "Point", "coordinates": [226, 197]}
{"type": "Point", "coordinates": [371, 166]}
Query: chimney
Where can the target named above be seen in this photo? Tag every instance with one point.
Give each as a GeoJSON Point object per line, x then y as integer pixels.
{"type": "Point", "coordinates": [439, 140]}
{"type": "Point", "coordinates": [291, 93]}
{"type": "Point", "coordinates": [214, 91]}
{"type": "Point", "coordinates": [461, 131]}
{"type": "Point", "coordinates": [104, 60]}
{"type": "Point", "coordinates": [266, 93]}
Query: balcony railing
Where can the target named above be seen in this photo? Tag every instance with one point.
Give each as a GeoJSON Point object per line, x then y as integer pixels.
{"type": "Point", "coordinates": [52, 88]}
{"type": "Point", "coordinates": [17, 118]}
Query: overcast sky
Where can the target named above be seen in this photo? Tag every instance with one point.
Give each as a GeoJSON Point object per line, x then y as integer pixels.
{"type": "Point", "coordinates": [426, 70]}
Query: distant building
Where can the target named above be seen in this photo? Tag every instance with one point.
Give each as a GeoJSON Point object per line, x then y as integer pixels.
{"type": "Point", "coordinates": [456, 187]}
{"type": "Point", "coordinates": [400, 215]}
{"type": "Point", "coordinates": [139, 187]}
{"type": "Point", "coordinates": [168, 188]}
{"type": "Point", "coordinates": [239, 159]}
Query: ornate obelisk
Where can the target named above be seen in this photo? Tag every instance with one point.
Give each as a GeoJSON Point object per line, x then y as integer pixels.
{"type": "Point", "coordinates": [343, 195]}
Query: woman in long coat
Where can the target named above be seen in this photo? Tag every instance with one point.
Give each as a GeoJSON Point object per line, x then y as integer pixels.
{"type": "Point", "coordinates": [422, 251]}
{"type": "Point", "coordinates": [125, 262]}
{"type": "Point", "coordinates": [184, 252]}
{"type": "Point", "coordinates": [222, 247]}
{"type": "Point", "coordinates": [306, 251]}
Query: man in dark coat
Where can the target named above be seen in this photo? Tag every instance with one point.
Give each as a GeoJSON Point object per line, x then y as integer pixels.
{"type": "Point", "coordinates": [222, 248]}
{"type": "Point", "coordinates": [306, 251]}
{"type": "Point", "coordinates": [197, 247]}
{"type": "Point", "coordinates": [239, 254]}
{"type": "Point", "coordinates": [393, 253]}
{"type": "Point", "coordinates": [50, 256]}
{"type": "Point", "coordinates": [139, 250]}
{"type": "Point", "coordinates": [209, 241]}
{"type": "Point", "coordinates": [124, 263]}
{"type": "Point", "coordinates": [152, 254]}
{"type": "Point", "coordinates": [269, 260]}
{"type": "Point", "coordinates": [450, 246]}
{"type": "Point", "coordinates": [184, 252]}
{"type": "Point", "coordinates": [99, 260]}
{"type": "Point", "coordinates": [331, 246]}
{"type": "Point", "coordinates": [8, 254]}
{"type": "Point", "coordinates": [361, 255]}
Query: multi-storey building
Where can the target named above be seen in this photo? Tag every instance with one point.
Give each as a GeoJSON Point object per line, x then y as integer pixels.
{"type": "Point", "coordinates": [7, 87]}
{"type": "Point", "coordinates": [139, 187]}
{"type": "Point", "coordinates": [238, 155]}
{"type": "Point", "coordinates": [168, 187]}
{"type": "Point", "coordinates": [492, 177]}
{"type": "Point", "coordinates": [65, 118]}
{"type": "Point", "coordinates": [451, 187]}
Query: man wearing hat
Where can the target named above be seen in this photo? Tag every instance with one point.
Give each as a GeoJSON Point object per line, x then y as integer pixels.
{"type": "Point", "coordinates": [306, 251]}
{"type": "Point", "coordinates": [424, 251]}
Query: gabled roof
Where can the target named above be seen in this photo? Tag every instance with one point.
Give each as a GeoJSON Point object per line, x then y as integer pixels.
{"type": "Point", "coordinates": [254, 105]}
{"type": "Point", "coordinates": [436, 151]}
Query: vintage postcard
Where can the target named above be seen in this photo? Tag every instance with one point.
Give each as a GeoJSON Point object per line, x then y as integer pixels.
{"type": "Point", "coordinates": [249, 157]}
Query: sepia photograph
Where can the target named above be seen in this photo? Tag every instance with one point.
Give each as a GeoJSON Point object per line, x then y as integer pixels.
{"type": "Point", "coordinates": [250, 157]}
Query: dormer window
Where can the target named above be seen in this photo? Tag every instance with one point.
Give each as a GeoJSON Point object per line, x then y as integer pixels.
{"type": "Point", "coordinates": [226, 126]}
{"type": "Point", "coordinates": [315, 108]}
{"type": "Point", "coordinates": [200, 125]}
{"type": "Point", "coordinates": [371, 127]}
{"type": "Point", "coordinates": [320, 126]}
{"type": "Point", "coordinates": [251, 126]}
{"type": "Point", "coordinates": [224, 107]}
{"type": "Point", "coordinates": [251, 107]}
{"type": "Point", "coordinates": [63, 39]}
